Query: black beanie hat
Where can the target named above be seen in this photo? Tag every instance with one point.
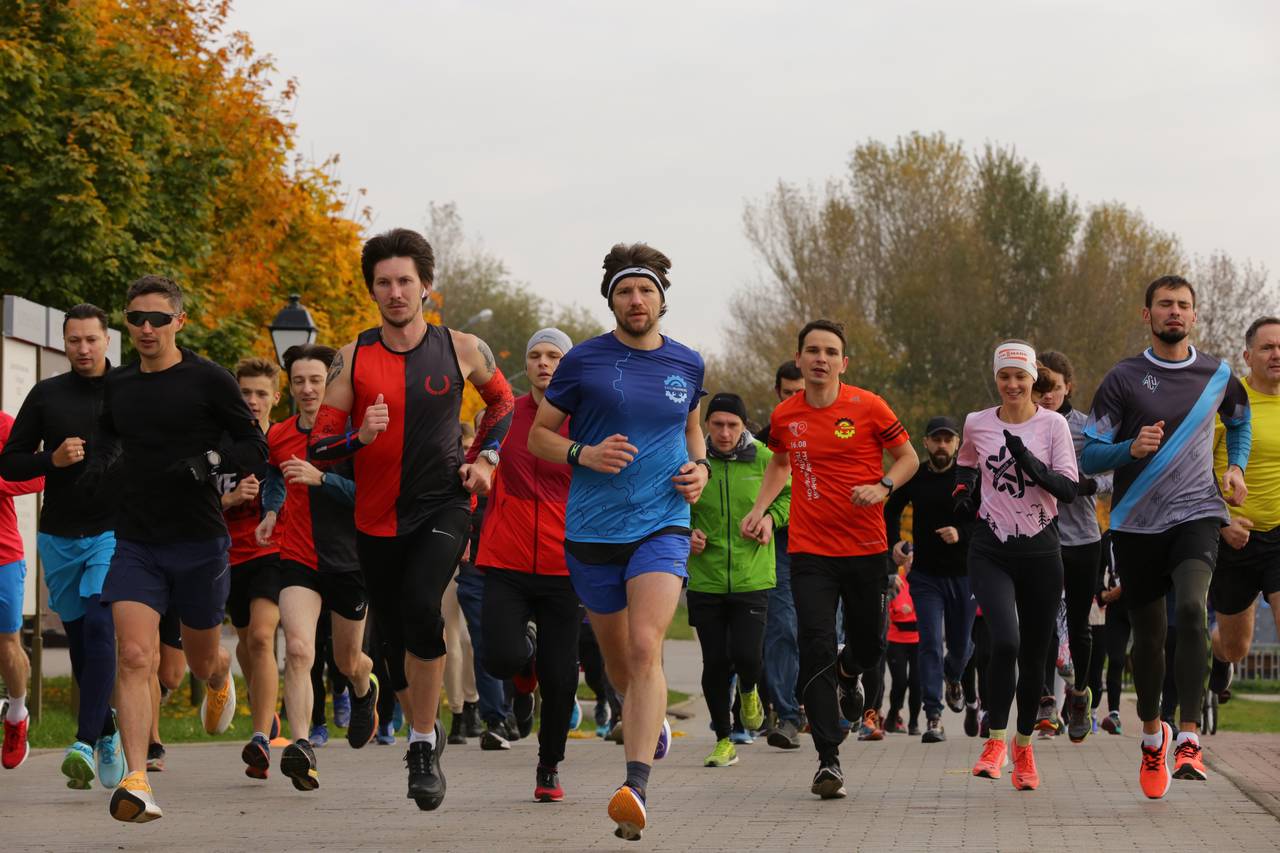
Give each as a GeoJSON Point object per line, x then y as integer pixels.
{"type": "Point", "coordinates": [730, 403]}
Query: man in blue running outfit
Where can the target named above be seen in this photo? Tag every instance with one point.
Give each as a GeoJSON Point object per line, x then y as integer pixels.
{"type": "Point", "coordinates": [638, 458]}
{"type": "Point", "coordinates": [57, 421]}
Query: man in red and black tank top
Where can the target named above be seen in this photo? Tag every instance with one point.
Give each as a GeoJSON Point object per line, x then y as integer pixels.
{"type": "Point", "coordinates": [255, 568]}
{"type": "Point", "coordinates": [526, 578]}
{"type": "Point", "coordinates": [402, 382]}
{"type": "Point", "coordinates": [319, 567]}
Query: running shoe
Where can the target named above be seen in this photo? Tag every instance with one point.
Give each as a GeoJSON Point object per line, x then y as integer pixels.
{"type": "Point", "coordinates": [752, 709]}
{"type": "Point", "coordinates": [426, 776]}
{"type": "Point", "coordinates": [1093, 723]}
{"type": "Point", "coordinates": [218, 707]}
{"type": "Point", "coordinates": [933, 731]}
{"type": "Point", "coordinates": [133, 801]}
{"type": "Point", "coordinates": [724, 755]}
{"type": "Point", "coordinates": [828, 782]}
{"type": "Point", "coordinates": [1024, 776]}
{"type": "Point", "coordinates": [626, 809]}
{"type": "Point", "coordinates": [471, 719]}
{"type": "Point", "coordinates": [457, 730]}
{"type": "Point", "coordinates": [522, 707]}
{"type": "Point", "coordinates": [386, 735]}
{"type": "Point", "coordinates": [992, 760]}
{"type": "Point", "coordinates": [112, 766]}
{"type": "Point", "coordinates": [155, 758]}
{"type": "Point", "coordinates": [547, 788]}
{"type": "Point", "coordinates": [851, 698]}
{"type": "Point", "coordinates": [870, 728]}
{"type": "Point", "coordinates": [527, 681]}
{"type": "Point", "coordinates": [16, 749]}
{"type": "Point", "coordinates": [575, 716]}
{"type": "Point", "coordinates": [664, 741]}
{"type": "Point", "coordinates": [1046, 715]}
{"type": "Point", "coordinates": [298, 762]}
{"type": "Point", "coordinates": [615, 733]}
{"type": "Point", "coordinates": [1078, 719]}
{"type": "Point", "coordinates": [364, 716]}
{"type": "Point", "coordinates": [893, 724]}
{"type": "Point", "coordinates": [971, 720]}
{"type": "Point", "coordinates": [342, 709]}
{"type": "Point", "coordinates": [1111, 723]}
{"type": "Point", "coordinates": [274, 737]}
{"type": "Point", "coordinates": [77, 766]}
{"type": "Point", "coordinates": [256, 756]}
{"type": "Point", "coordinates": [1220, 675]}
{"type": "Point", "coordinates": [495, 737]}
{"type": "Point", "coordinates": [741, 736]}
{"type": "Point", "coordinates": [786, 735]}
{"type": "Point", "coordinates": [1188, 761]}
{"type": "Point", "coordinates": [1153, 772]}
{"type": "Point", "coordinates": [397, 717]}
{"type": "Point", "coordinates": [984, 725]}
{"type": "Point", "coordinates": [955, 696]}
{"type": "Point", "coordinates": [602, 715]}
{"type": "Point", "coordinates": [318, 736]}
{"type": "Point", "coordinates": [913, 728]}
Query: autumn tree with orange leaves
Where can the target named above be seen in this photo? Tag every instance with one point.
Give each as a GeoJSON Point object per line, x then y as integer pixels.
{"type": "Point", "coordinates": [142, 137]}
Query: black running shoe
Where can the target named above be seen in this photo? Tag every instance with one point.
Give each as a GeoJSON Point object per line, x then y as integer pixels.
{"type": "Point", "coordinates": [1079, 714]}
{"type": "Point", "coordinates": [495, 737]}
{"type": "Point", "coordinates": [457, 730]}
{"type": "Point", "coordinates": [955, 696]}
{"type": "Point", "coordinates": [426, 776]}
{"type": "Point", "coordinates": [155, 758]}
{"type": "Point", "coordinates": [971, 720]}
{"type": "Point", "coordinates": [522, 707]}
{"type": "Point", "coordinates": [851, 698]}
{"type": "Point", "coordinates": [933, 731]}
{"type": "Point", "coordinates": [785, 735]}
{"type": "Point", "coordinates": [471, 719]}
{"type": "Point", "coordinates": [1220, 674]}
{"type": "Point", "coordinates": [364, 716]}
{"type": "Point", "coordinates": [257, 757]}
{"type": "Point", "coordinates": [828, 782]}
{"type": "Point", "coordinates": [298, 762]}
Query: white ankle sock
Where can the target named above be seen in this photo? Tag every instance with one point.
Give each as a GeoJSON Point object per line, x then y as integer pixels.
{"type": "Point", "coordinates": [415, 736]}
{"type": "Point", "coordinates": [17, 709]}
{"type": "Point", "coordinates": [1183, 737]}
{"type": "Point", "coordinates": [1153, 741]}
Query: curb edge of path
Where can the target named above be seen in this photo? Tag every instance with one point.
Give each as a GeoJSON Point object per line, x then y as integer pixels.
{"type": "Point", "coordinates": [1264, 800]}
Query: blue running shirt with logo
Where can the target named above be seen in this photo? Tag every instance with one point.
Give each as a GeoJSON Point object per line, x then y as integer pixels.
{"type": "Point", "coordinates": [608, 388]}
{"type": "Point", "coordinates": [1176, 483]}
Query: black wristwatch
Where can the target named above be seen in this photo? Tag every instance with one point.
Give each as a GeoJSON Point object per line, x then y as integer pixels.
{"type": "Point", "coordinates": [887, 483]}
{"type": "Point", "coordinates": [705, 464]}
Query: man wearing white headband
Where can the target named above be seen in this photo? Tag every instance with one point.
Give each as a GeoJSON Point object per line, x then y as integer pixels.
{"type": "Point", "coordinates": [637, 453]}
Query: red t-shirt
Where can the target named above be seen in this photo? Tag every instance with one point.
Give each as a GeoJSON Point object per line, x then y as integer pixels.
{"type": "Point", "coordinates": [11, 546]}
{"type": "Point", "coordinates": [831, 450]}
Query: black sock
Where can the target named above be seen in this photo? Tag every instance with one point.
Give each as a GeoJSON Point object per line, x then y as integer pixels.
{"type": "Point", "coordinates": [1218, 675]}
{"type": "Point", "coordinates": [550, 767]}
{"type": "Point", "coordinates": [638, 777]}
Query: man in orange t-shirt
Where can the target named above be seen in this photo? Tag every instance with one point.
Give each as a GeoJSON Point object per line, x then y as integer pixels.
{"type": "Point", "coordinates": [831, 440]}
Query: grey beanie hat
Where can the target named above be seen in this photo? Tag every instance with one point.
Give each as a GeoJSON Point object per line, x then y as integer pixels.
{"type": "Point", "coordinates": [552, 336]}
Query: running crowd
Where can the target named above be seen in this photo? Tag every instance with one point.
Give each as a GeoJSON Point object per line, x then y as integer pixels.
{"type": "Point", "coordinates": [414, 556]}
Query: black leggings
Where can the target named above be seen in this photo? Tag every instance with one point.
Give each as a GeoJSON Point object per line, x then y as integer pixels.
{"type": "Point", "coordinates": [1117, 650]}
{"type": "Point", "coordinates": [1150, 565]}
{"type": "Point", "coordinates": [731, 633]}
{"type": "Point", "coordinates": [974, 679]}
{"type": "Point", "coordinates": [904, 667]}
{"type": "Point", "coordinates": [1097, 664]}
{"type": "Point", "coordinates": [511, 600]}
{"type": "Point", "coordinates": [407, 576]}
{"type": "Point", "coordinates": [324, 657]}
{"type": "Point", "coordinates": [92, 641]}
{"type": "Point", "coordinates": [1018, 584]}
{"type": "Point", "coordinates": [1080, 568]}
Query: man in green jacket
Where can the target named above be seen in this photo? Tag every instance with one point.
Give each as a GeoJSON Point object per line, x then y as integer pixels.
{"type": "Point", "coordinates": [730, 576]}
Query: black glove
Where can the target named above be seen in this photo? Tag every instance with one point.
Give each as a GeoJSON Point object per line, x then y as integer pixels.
{"type": "Point", "coordinates": [1038, 473]}
{"type": "Point", "coordinates": [962, 503]}
{"type": "Point", "coordinates": [1087, 486]}
{"type": "Point", "coordinates": [1015, 445]}
{"type": "Point", "coordinates": [196, 469]}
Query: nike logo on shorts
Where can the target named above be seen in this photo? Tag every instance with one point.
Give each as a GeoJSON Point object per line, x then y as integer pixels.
{"type": "Point", "coordinates": [444, 532]}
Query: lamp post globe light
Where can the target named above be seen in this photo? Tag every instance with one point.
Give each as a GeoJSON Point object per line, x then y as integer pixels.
{"type": "Point", "coordinates": [484, 315]}
{"type": "Point", "coordinates": [293, 326]}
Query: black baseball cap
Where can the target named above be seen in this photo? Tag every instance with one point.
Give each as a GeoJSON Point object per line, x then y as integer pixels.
{"type": "Point", "coordinates": [941, 423]}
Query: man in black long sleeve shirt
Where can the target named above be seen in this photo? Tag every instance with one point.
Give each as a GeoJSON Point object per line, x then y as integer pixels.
{"type": "Point", "coordinates": [163, 416]}
{"type": "Point", "coordinates": [939, 581]}
{"type": "Point", "coordinates": [58, 421]}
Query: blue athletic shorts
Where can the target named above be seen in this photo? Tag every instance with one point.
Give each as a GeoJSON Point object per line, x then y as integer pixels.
{"type": "Point", "coordinates": [192, 577]}
{"type": "Point", "coordinates": [74, 569]}
{"type": "Point", "coordinates": [602, 587]}
{"type": "Point", "coordinates": [11, 579]}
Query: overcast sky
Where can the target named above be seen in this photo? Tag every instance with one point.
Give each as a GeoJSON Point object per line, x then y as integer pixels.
{"type": "Point", "coordinates": [560, 128]}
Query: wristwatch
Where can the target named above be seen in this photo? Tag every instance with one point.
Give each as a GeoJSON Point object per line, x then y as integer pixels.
{"type": "Point", "coordinates": [705, 464]}
{"type": "Point", "coordinates": [887, 483]}
{"type": "Point", "coordinates": [490, 456]}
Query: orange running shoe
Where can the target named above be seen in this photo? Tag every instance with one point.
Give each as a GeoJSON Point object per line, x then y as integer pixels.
{"type": "Point", "coordinates": [1024, 775]}
{"type": "Point", "coordinates": [133, 802]}
{"type": "Point", "coordinates": [626, 809]}
{"type": "Point", "coordinates": [219, 707]}
{"type": "Point", "coordinates": [1153, 773]}
{"type": "Point", "coordinates": [1188, 761]}
{"type": "Point", "coordinates": [871, 728]}
{"type": "Point", "coordinates": [992, 760]}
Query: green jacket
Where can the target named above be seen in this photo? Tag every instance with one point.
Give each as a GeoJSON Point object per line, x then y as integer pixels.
{"type": "Point", "coordinates": [730, 563]}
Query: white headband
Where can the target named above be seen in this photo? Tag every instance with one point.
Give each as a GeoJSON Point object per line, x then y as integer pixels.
{"type": "Point", "coordinates": [630, 272]}
{"type": "Point", "coordinates": [1016, 355]}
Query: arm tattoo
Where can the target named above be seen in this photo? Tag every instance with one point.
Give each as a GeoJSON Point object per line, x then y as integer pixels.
{"type": "Point", "coordinates": [335, 370]}
{"type": "Point", "coordinates": [489, 363]}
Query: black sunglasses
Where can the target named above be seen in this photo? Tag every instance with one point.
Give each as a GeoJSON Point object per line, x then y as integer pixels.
{"type": "Point", "coordinates": [155, 318]}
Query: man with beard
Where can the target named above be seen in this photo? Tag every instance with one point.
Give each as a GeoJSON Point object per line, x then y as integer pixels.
{"type": "Point", "coordinates": [1152, 422]}
{"type": "Point", "coordinates": [402, 383]}
{"type": "Point", "coordinates": [939, 581]}
{"type": "Point", "coordinates": [638, 459]}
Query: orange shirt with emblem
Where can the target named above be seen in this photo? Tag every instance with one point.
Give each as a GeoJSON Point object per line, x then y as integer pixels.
{"type": "Point", "coordinates": [831, 450]}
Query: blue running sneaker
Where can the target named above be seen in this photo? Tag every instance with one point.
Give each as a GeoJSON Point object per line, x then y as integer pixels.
{"type": "Point", "coordinates": [397, 718]}
{"type": "Point", "coordinates": [341, 709]}
{"type": "Point", "coordinates": [386, 734]}
{"type": "Point", "coordinates": [741, 736]}
{"type": "Point", "coordinates": [77, 766]}
{"type": "Point", "coordinates": [664, 741]}
{"type": "Point", "coordinates": [575, 716]}
{"type": "Point", "coordinates": [319, 735]}
{"type": "Point", "coordinates": [112, 767]}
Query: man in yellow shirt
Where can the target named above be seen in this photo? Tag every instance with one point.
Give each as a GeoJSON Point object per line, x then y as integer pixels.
{"type": "Point", "coordinates": [1249, 554]}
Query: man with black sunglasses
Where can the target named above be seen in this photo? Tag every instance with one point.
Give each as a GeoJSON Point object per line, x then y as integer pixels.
{"type": "Point", "coordinates": [162, 417]}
